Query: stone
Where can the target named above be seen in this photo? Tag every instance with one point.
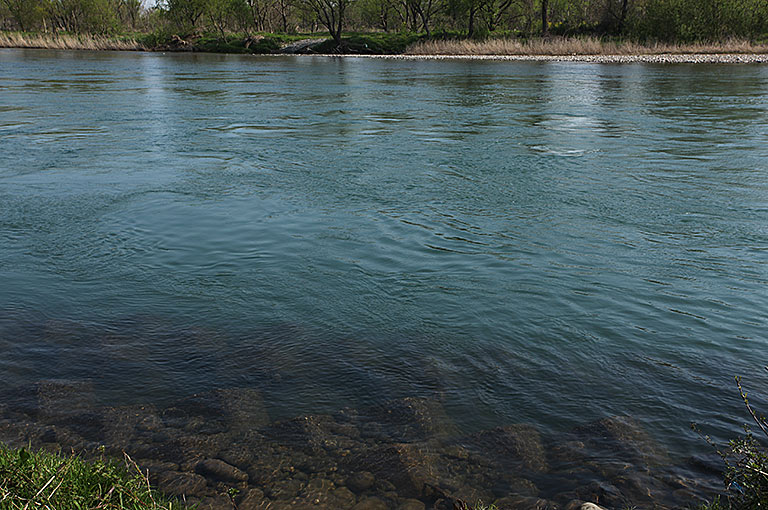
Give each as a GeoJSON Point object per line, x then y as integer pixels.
{"type": "Point", "coordinates": [252, 499]}
{"type": "Point", "coordinates": [524, 503]}
{"type": "Point", "coordinates": [408, 466]}
{"type": "Point", "coordinates": [218, 502]}
{"type": "Point", "coordinates": [218, 411]}
{"type": "Point", "coordinates": [639, 487]}
{"type": "Point", "coordinates": [371, 503]}
{"type": "Point", "coordinates": [344, 497]}
{"type": "Point", "coordinates": [621, 438]}
{"type": "Point", "coordinates": [156, 466]}
{"type": "Point", "coordinates": [175, 483]}
{"type": "Point", "coordinates": [411, 504]}
{"type": "Point", "coordinates": [285, 489]}
{"type": "Point", "coordinates": [219, 470]}
{"type": "Point", "coordinates": [513, 446]}
{"type": "Point", "coordinates": [361, 481]}
{"type": "Point", "coordinates": [313, 434]}
{"type": "Point", "coordinates": [50, 400]}
{"type": "Point", "coordinates": [603, 493]}
{"type": "Point", "coordinates": [121, 427]}
{"type": "Point", "coordinates": [590, 506]}
{"type": "Point", "coordinates": [519, 486]}
{"type": "Point", "coordinates": [409, 420]}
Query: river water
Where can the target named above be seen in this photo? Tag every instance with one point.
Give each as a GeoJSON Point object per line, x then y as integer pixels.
{"type": "Point", "coordinates": [542, 243]}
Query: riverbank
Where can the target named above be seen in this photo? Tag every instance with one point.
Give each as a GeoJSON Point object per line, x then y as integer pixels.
{"type": "Point", "coordinates": [710, 58]}
{"type": "Point", "coordinates": [69, 42]}
{"type": "Point", "coordinates": [410, 46]}
{"type": "Point", "coordinates": [41, 479]}
{"type": "Point", "coordinates": [406, 453]}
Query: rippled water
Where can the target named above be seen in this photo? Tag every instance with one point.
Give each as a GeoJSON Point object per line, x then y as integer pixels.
{"type": "Point", "coordinates": [548, 243]}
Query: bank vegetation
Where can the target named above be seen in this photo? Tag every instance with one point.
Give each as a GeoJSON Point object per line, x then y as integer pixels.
{"type": "Point", "coordinates": [391, 26]}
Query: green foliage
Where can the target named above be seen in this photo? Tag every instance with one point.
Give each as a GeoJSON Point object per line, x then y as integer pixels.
{"type": "Point", "coordinates": [701, 20]}
{"type": "Point", "coordinates": [44, 480]}
{"type": "Point", "coordinates": [746, 461]}
{"type": "Point", "coordinates": [371, 44]}
{"type": "Point", "coordinates": [641, 20]}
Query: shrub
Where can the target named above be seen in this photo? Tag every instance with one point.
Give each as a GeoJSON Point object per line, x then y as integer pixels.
{"type": "Point", "coordinates": [746, 461]}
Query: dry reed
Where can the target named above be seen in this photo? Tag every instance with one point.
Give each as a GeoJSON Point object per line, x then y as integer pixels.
{"type": "Point", "coordinates": [563, 46]}
{"type": "Point", "coordinates": [67, 42]}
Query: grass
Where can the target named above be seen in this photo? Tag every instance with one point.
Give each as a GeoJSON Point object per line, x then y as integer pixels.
{"type": "Point", "coordinates": [42, 480]}
{"type": "Point", "coordinates": [575, 46]}
{"type": "Point", "coordinates": [376, 43]}
{"type": "Point", "coordinates": [67, 41]}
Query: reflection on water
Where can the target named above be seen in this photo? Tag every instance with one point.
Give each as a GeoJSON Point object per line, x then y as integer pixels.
{"type": "Point", "coordinates": [549, 244]}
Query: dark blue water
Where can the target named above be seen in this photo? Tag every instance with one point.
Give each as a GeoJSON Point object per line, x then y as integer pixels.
{"type": "Point", "coordinates": [533, 242]}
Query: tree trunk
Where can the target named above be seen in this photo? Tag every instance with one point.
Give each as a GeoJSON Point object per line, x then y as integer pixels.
{"type": "Point", "coordinates": [622, 16]}
{"type": "Point", "coordinates": [471, 26]}
{"type": "Point", "coordinates": [544, 21]}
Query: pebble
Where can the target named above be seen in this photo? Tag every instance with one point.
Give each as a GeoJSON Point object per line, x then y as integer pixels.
{"type": "Point", "coordinates": [370, 504]}
{"type": "Point", "coordinates": [180, 484]}
{"type": "Point", "coordinates": [361, 481]}
{"type": "Point", "coordinates": [220, 470]}
{"type": "Point", "coordinates": [411, 504]}
{"type": "Point", "coordinates": [701, 58]}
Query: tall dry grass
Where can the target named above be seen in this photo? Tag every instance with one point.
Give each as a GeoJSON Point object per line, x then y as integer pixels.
{"type": "Point", "coordinates": [67, 42]}
{"type": "Point", "coordinates": [559, 46]}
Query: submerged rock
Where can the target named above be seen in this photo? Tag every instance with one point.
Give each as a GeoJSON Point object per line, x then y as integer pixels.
{"type": "Point", "coordinates": [179, 484]}
{"type": "Point", "coordinates": [220, 471]}
{"type": "Point", "coordinates": [514, 446]}
{"type": "Point", "coordinates": [524, 503]}
{"type": "Point", "coordinates": [218, 411]}
{"type": "Point", "coordinates": [578, 505]}
{"type": "Point", "coordinates": [314, 434]}
{"type": "Point", "coordinates": [603, 493]}
{"type": "Point", "coordinates": [361, 481]}
{"type": "Point", "coordinates": [408, 466]}
{"type": "Point", "coordinates": [217, 502]}
{"type": "Point", "coordinates": [252, 499]}
{"type": "Point", "coordinates": [409, 420]}
{"type": "Point", "coordinates": [50, 401]}
{"type": "Point", "coordinates": [371, 503]}
{"type": "Point", "coordinates": [411, 504]}
{"type": "Point", "coordinates": [621, 438]}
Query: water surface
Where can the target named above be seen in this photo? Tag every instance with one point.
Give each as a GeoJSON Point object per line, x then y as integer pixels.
{"type": "Point", "coordinates": [549, 243]}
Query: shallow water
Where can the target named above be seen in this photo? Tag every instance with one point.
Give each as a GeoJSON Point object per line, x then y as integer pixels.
{"type": "Point", "coordinates": [548, 243]}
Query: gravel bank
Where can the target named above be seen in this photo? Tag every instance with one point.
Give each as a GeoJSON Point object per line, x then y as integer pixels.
{"type": "Point", "coordinates": [725, 58]}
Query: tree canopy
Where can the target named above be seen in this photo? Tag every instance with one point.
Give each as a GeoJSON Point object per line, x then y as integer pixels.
{"type": "Point", "coordinates": [665, 20]}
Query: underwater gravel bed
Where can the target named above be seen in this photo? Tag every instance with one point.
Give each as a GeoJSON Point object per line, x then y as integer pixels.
{"type": "Point", "coordinates": [221, 449]}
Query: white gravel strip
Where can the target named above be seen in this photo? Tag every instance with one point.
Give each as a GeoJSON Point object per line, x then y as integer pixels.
{"type": "Point", "coordinates": [694, 58]}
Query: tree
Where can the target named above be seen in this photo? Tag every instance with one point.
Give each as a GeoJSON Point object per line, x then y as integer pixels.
{"type": "Point", "coordinates": [24, 12]}
{"type": "Point", "coordinates": [494, 11]}
{"type": "Point", "coordinates": [129, 12]}
{"type": "Point", "coordinates": [331, 15]}
{"type": "Point", "coordinates": [422, 12]}
{"type": "Point", "coordinates": [185, 14]}
{"type": "Point", "coordinates": [284, 10]}
{"type": "Point", "coordinates": [258, 13]}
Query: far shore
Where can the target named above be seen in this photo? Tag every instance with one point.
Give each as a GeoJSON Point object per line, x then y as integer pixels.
{"type": "Point", "coordinates": [674, 58]}
{"type": "Point", "coordinates": [589, 50]}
